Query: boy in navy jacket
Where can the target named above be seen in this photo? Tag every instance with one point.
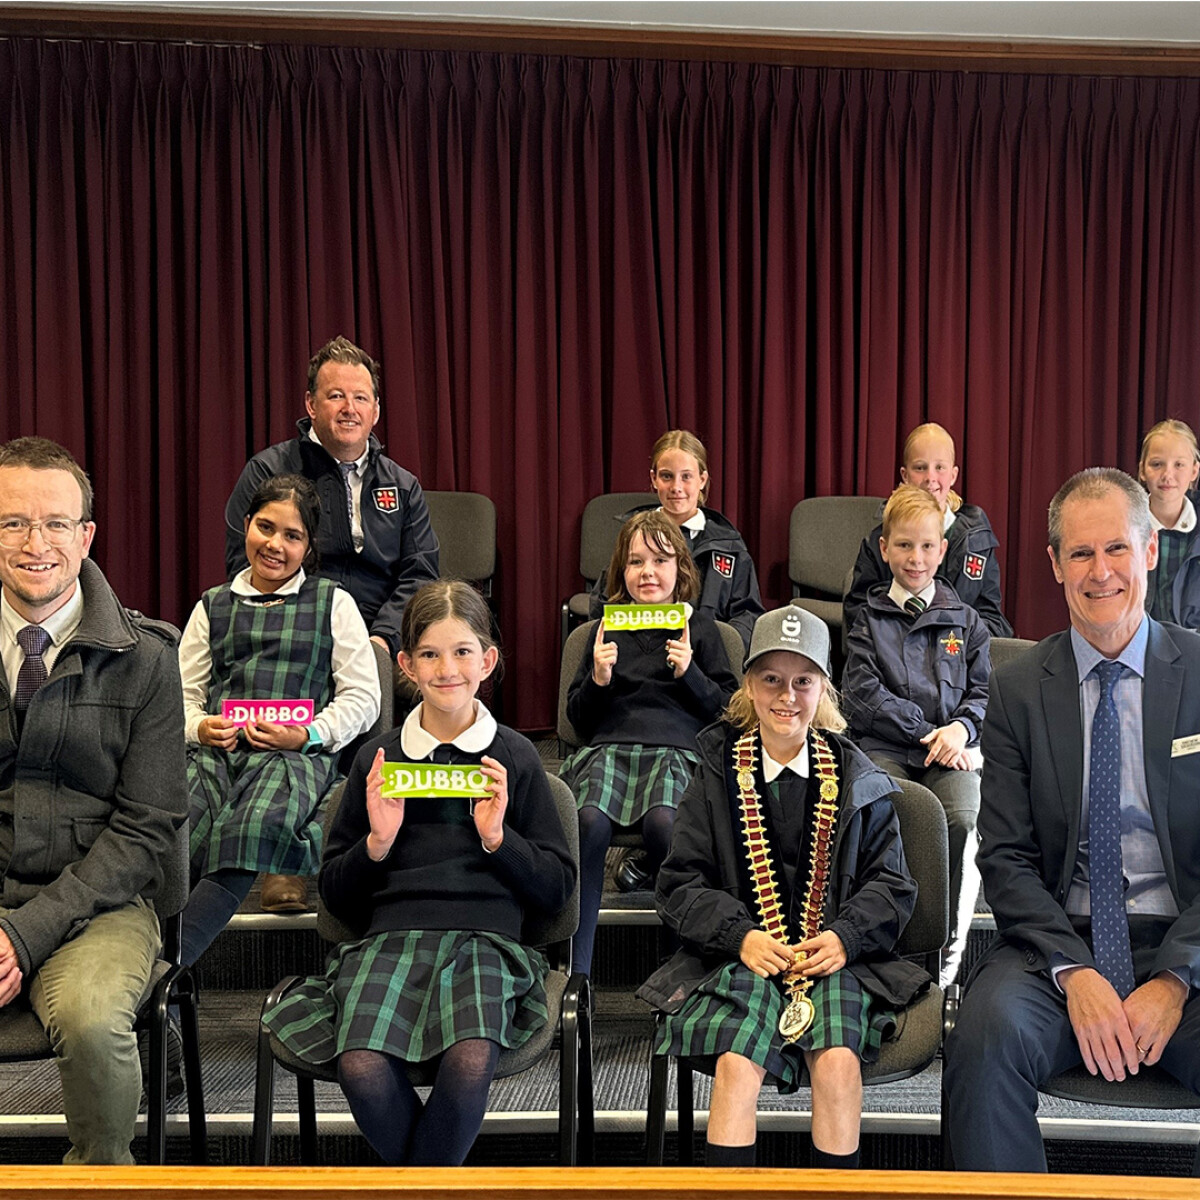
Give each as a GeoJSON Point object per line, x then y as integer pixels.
{"type": "Point", "coordinates": [915, 687]}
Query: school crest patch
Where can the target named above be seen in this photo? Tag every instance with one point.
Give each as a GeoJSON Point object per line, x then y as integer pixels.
{"type": "Point", "coordinates": [953, 643]}
{"type": "Point", "coordinates": [386, 499]}
{"type": "Point", "coordinates": [973, 566]}
{"type": "Point", "coordinates": [723, 564]}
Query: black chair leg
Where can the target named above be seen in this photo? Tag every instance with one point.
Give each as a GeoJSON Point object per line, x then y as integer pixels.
{"type": "Point", "coordinates": [950, 1005]}
{"type": "Point", "coordinates": [306, 1097]}
{"type": "Point", "coordinates": [587, 1092]}
{"type": "Point", "coordinates": [687, 1116]}
{"type": "Point", "coordinates": [568, 1073]}
{"type": "Point", "coordinates": [264, 1102]}
{"type": "Point", "coordinates": [656, 1110]}
{"type": "Point", "coordinates": [156, 1085]}
{"type": "Point", "coordinates": [188, 1000]}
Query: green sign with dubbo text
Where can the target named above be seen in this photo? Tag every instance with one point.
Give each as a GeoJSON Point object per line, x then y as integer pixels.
{"type": "Point", "coordinates": [434, 780]}
{"type": "Point", "coordinates": [629, 618]}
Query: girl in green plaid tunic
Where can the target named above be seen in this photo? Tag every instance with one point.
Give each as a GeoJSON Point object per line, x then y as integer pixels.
{"type": "Point", "coordinates": [762, 769]}
{"type": "Point", "coordinates": [272, 634]}
{"type": "Point", "coordinates": [440, 890]}
{"type": "Point", "coordinates": [639, 699]}
{"type": "Point", "coordinates": [1168, 468]}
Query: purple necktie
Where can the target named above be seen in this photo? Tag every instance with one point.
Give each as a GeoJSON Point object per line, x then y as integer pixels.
{"type": "Point", "coordinates": [33, 639]}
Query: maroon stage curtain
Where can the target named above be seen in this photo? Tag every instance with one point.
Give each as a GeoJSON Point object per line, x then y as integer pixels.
{"type": "Point", "coordinates": [557, 258]}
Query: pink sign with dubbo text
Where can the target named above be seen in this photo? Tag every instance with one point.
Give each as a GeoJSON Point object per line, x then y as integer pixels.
{"type": "Point", "coordinates": [268, 712]}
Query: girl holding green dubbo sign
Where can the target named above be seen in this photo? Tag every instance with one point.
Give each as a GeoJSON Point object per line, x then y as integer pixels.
{"type": "Point", "coordinates": [639, 699]}
{"type": "Point", "coordinates": [439, 888]}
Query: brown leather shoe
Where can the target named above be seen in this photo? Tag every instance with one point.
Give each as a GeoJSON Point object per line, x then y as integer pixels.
{"type": "Point", "coordinates": [284, 893]}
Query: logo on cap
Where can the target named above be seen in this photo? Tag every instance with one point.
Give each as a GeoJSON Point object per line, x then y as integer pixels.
{"type": "Point", "coordinates": [791, 627]}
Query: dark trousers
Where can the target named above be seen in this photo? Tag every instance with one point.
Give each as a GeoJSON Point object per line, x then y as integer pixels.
{"type": "Point", "coordinates": [1013, 1034]}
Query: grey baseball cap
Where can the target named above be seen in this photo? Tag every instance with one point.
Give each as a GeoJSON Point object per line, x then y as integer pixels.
{"type": "Point", "coordinates": [791, 628]}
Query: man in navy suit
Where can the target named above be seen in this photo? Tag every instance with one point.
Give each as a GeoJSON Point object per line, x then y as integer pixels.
{"type": "Point", "coordinates": [1097, 958]}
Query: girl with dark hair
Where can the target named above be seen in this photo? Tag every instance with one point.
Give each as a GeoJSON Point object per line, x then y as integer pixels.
{"type": "Point", "coordinates": [639, 699]}
{"type": "Point", "coordinates": [274, 633]}
{"type": "Point", "coordinates": [440, 889]}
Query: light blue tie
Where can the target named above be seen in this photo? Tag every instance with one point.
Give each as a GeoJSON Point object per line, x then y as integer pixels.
{"type": "Point", "coordinates": [1110, 922]}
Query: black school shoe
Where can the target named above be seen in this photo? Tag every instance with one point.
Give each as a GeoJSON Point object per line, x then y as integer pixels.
{"type": "Point", "coordinates": [632, 875]}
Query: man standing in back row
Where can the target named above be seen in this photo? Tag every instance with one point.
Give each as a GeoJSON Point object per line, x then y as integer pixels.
{"type": "Point", "coordinates": [376, 538]}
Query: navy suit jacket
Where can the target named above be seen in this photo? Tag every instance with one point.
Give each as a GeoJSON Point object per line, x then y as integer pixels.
{"type": "Point", "coordinates": [1032, 784]}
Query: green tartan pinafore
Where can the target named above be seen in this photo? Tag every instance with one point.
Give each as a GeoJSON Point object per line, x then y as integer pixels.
{"type": "Point", "coordinates": [255, 809]}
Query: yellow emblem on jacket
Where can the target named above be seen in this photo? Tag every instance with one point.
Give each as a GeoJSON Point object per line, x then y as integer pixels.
{"type": "Point", "coordinates": [952, 643]}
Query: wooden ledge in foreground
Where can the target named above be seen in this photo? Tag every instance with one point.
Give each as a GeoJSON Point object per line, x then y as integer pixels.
{"type": "Point", "coordinates": [579, 1183]}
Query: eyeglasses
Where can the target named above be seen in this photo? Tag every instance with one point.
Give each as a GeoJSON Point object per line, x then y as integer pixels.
{"type": "Point", "coordinates": [57, 531]}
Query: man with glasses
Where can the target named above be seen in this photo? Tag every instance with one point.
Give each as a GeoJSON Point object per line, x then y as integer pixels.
{"type": "Point", "coordinates": [92, 791]}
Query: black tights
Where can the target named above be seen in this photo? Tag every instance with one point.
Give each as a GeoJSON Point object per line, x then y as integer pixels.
{"type": "Point", "coordinates": [595, 834]}
{"type": "Point", "coordinates": [389, 1112]}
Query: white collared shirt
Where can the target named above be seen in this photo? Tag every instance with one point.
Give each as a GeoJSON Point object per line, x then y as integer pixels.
{"type": "Point", "coordinates": [898, 594]}
{"type": "Point", "coordinates": [694, 524]}
{"type": "Point", "coordinates": [1186, 522]}
{"type": "Point", "coordinates": [355, 703]}
{"type": "Point", "coordinates": [418, 744]}
{"type": "Point", "coordinates": [356, 484]}
{"type": "Point", "coordinates": [798, 765]}
{"type": "Point", "coordinates": [60, 625]}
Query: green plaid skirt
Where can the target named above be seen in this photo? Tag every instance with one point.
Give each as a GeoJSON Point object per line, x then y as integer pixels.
{"type": "Point", "coordinates": [626, 782]}
{"type": "Point", "coordinates": [257, 810]}
{"type": "Point", "coordinates": [736, 1011]}
{"type": "Point", "coordinates": [414, 994]}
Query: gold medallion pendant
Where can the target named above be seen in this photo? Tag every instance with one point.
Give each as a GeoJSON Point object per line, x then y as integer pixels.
{"type": "Point", "coordinates": [800, 1012]}
{"type": "Point", "coordinates": [797, 1017]}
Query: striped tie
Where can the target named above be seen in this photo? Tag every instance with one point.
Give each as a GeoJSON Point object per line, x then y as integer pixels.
{"type": "Point", "coordinates": [915, 606]}
{"type": "Point", "coordinates": [345, 469]}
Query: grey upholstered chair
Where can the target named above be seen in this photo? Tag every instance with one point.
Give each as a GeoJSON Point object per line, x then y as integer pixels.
{"type": "Point", "coordinates": [465, 524]}
{"type": "Point", "coordinates": [1006, 649]}
{"type": "Point", "coordinates": [824, 535]}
